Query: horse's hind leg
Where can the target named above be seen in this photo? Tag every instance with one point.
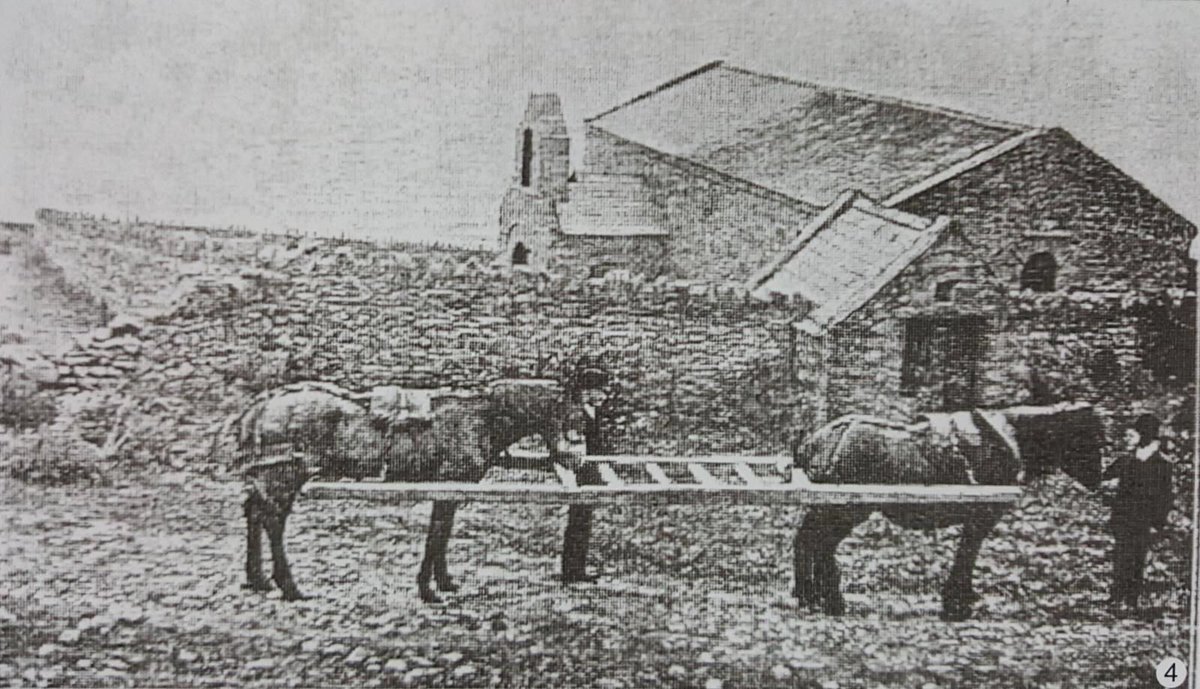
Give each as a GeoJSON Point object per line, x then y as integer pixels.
{"type": "Point", "coordinates": [434, 562]}
{"type": "Point", "coordinates": [803, 546]}
{"type": "Point", "coordinates": [958, 593]}
{"type": "Point", "coordinates": [831, 525]}
{"type": "Point", "coordinates": [281, 572]}
{"type": "Point", "coordinates": [255, 579]}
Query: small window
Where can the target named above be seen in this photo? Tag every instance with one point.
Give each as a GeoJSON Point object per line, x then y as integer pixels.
{"type": "Point", "coordinates": [520, 254]}
{"type": "Point", "coordinates": [944, 290]}
{"type": "Point", "coordinates": [526, 158]}
{"type": "Point", "coordinates": [1039, 272]}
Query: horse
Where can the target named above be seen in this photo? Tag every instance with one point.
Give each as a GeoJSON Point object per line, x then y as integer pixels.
{"type": "Point", "coordinates": [287, 436]}
{"type": "Point", "coordinates": [991, 447]}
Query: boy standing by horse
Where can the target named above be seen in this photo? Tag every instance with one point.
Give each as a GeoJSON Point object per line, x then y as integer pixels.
{"type": "Point", "coordinates": [1144, 497]}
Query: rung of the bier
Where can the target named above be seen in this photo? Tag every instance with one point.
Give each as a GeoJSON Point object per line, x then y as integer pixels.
{"type": "Point", "coordinates": [747, 474]}
{"type": "Point", "coordinates": [609, 476]}
{"type": "Point", "coordinates": [676, 493]}
{"type": "Point", "coordinates": [566, 476]}
{"type": "Point", "coordinates": [657, 473]}
{"type": "Point", "coordinates": [702, 475]}
{"type": "Point", "coordinates": [699, 459]}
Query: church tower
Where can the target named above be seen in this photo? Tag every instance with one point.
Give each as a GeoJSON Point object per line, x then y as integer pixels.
{"type": "Point", "coordinates": [543, 148]}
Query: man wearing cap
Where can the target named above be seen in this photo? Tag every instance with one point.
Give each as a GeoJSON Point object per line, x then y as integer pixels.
{"type": "Point", "coordinates": [1143, 499]}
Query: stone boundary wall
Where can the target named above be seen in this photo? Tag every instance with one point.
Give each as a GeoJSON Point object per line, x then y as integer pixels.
{"type": "Point", "coordinates": [703, 368]}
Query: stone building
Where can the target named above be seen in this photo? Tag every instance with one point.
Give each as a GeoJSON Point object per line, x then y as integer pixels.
{"type": "Point", "coordinates": [882, 300]}
{"type": "Point", "coordinates": [911, 238]}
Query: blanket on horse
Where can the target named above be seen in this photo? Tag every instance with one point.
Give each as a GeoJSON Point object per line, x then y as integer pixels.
{"type": "Point", "coordinates": [967, 447]}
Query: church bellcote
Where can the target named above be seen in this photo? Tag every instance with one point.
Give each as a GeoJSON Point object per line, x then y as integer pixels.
{"type": "Point", "coordinates": [543, 148]}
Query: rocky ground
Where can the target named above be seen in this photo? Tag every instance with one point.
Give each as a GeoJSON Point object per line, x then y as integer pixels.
{"type": "Point", "coordinates": [138, 584]}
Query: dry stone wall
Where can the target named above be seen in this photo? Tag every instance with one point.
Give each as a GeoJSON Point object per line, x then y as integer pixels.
{"type": "Point", "coordinates": [702, 367]}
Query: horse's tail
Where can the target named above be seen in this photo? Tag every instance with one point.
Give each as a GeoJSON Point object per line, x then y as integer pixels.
{"type": "Point", "coordinates": [229, 422]}
{"type": "Point", "coordinates": [245, 437]}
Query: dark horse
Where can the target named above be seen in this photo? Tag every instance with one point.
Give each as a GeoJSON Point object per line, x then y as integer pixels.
{"type": "Point", "coordinates": [998, 447]}
{"type": "Point", "coordinates": [287, 436]}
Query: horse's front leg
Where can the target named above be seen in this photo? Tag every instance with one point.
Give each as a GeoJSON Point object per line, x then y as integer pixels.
{"type": "Point", "coordinates": [958, 593]}
{"type": "Point", "coordinates": [433, 565]}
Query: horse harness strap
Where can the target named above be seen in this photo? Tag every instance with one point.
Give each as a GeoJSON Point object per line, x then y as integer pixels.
{"type": "Point", "coordinates": [999, 424]}
{"type": "Point", "coordinates": [959, 429]}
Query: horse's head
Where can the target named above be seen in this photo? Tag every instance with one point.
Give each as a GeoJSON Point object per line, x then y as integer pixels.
{"type": "Point", "coordinates": [524, 407]}
{"type": "Point", "coordinates": [1069, 437]}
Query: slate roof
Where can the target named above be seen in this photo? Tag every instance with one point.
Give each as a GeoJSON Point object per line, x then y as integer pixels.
{"type": "Point", "coordinates": [845, 256]}
{"type": "Point", "coordinates": [609, 206]}
{"type": "Point", "coordinates": [806, 141]}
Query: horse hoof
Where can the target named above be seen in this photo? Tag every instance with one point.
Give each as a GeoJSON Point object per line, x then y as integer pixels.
{"type": "Point", "coordinates": [447, 586]}
{"type": "Point", "coordinates": [580, 578]}
{"type": "Point", "coordinates": [257, 585]}
{"type": "Point", "coordinates": [955, 614]}
{"type": "Point", "coordinates": [835, 609]}
{"type": "Point", "coordinates": [428, 596]}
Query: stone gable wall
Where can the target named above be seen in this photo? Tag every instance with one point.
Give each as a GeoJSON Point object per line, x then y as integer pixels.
{"type": "Point", "coordinates": [720, 229]}
{"type": "Point", "coordinates": [1107, 232]}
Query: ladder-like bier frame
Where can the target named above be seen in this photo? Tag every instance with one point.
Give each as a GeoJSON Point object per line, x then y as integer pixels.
{"type": "Point", "coordinates": [749, 488]}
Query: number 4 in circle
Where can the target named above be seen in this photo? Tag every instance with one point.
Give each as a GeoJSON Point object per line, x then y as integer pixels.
{"type": "Point", "coordinates": [1171, 672]}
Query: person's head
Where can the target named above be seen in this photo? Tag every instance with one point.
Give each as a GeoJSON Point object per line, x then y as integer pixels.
{"type": "Point", "coordinates": [1143, 431]}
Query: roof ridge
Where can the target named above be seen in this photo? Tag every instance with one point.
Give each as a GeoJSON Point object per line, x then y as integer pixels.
{"type": "Point", "coordinates": [965, 165]}
{"type": "Point", "coordinates": [660, 88]}
{"type": "Point", "coordinates": [912, 221]}
{"type": "Point", "coordinates": [879, 98]}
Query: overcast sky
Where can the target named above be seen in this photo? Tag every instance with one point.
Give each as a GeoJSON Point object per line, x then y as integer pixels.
{"type": "Point", "coordinates": [379, 119]}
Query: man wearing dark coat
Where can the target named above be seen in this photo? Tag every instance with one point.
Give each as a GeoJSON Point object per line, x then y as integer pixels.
{"type": "Point", "coordinates": [578, 534]}
{"type": "Point", "coordinates": [1143, 500]}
